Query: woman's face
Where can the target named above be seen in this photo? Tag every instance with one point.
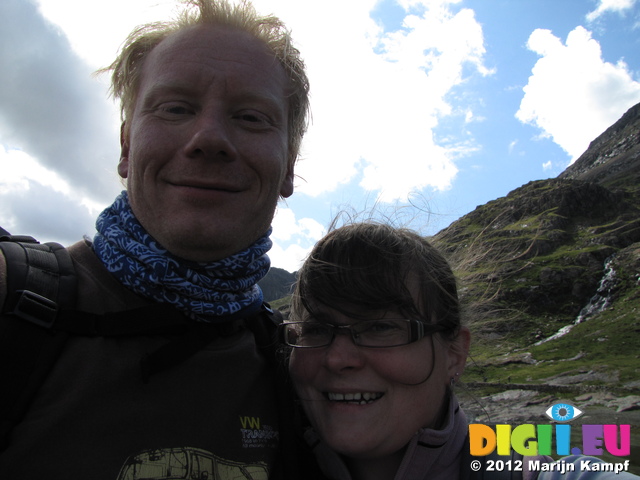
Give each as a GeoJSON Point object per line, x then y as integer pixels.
{"type": "Point", "coordinates": [369, 402]}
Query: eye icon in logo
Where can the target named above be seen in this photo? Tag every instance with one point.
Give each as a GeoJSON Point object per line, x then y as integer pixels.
{"type": "Point", "coordinates": [563, 412]}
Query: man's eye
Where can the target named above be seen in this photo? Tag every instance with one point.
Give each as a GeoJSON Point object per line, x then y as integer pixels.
{"type": "Point", "coordinates": [250, 118]}
{"type": "Point", "coordinates": [176, 110]}
{"type": "Point", "coordinates": [172, 109]}
{"type": "Point", "coordinates": [253, 119]}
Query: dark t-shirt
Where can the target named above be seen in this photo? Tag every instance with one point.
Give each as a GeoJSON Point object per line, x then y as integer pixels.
{"type": "Point", "coordinates": [214, 416]}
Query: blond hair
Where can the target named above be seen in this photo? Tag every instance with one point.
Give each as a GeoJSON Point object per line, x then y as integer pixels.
{"type": "Point", "coordinates": [127, 68]}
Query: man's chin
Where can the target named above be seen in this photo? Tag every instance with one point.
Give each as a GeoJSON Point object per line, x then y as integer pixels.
{"type": "Point", "coordinates": [209, 245]}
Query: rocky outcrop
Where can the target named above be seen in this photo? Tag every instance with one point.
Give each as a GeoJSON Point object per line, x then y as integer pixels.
{"type": "Point", "coordinates": [517, 405]}
{"type": "Point", "coordinates": [612, 155]}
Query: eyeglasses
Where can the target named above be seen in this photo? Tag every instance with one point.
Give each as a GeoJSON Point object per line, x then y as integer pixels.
{"type": "Point", "coordinates": [379, 333]}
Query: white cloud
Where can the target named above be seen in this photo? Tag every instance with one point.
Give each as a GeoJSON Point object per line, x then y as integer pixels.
{"type": "Point", "coordinates": [289, 258]}
{"type": "Point", "coordinates": [377, 96]}
{"type": "Point", "coordinates": [292, 239]}
{"type": "Point", "coordinates": [286, 226]}
{"type": "Point", "coordinates": [19, 170]}
{"type": "Point", "coordinates": [573, 95]}
{"type": "Point", "coordinates": [95, 30]}
{"type": "Point", "coordinates": [618, 6]}
{"type": "Point", "coordinates": [37, 201]}
{"type": "Point", "coordinates": [51, 108]}
{"type": "Point", "coordinates": [58, 133]}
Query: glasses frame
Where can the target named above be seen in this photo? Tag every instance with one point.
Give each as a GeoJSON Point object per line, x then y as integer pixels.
{"type": "Point", "coordinates": [418, 329]}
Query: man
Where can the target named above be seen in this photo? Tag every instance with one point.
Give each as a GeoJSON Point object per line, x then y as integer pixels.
{"type": "Point", "coordinates": [214, 107]}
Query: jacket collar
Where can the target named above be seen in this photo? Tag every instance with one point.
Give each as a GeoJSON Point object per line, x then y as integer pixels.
{"type": "Point", "coordinates": [431, 453]}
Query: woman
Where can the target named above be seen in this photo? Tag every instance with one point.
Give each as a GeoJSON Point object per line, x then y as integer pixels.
{"type": "Point", "coordinates": [377, 347]}
{"type": "Point", "coordinates": [377, 322]}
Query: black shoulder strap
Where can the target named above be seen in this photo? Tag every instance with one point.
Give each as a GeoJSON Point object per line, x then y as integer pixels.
{"type": "Point", "coordinates": [264, 326]}
{"type": "Point", "coordinates": [41, 280]}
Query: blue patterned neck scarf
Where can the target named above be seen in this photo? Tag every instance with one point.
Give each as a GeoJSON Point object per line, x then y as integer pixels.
{"type": "Point", "coordinates": [209, 292]}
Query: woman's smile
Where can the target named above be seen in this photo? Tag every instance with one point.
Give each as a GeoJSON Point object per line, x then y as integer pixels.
{"type": "Point", "coordinates": [354, 398]}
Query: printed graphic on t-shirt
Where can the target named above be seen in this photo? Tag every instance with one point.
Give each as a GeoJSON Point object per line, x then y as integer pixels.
{"type": "Point", "coordinates": [257, 435]}
{"type": "Point", "coordinates": [188, 463]}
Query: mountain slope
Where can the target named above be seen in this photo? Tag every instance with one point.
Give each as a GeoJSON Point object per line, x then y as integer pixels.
{"type": "Point", "coordinates": [277, 284]}
{"type": "Point", "coordinates": [553, 253]}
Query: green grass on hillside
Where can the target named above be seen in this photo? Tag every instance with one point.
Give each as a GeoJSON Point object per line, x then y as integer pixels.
{"type": "Point", "coordinates": [608, 343]}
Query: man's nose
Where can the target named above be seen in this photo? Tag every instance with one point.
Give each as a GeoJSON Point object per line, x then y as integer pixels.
{"type": "Point", "coordinates": [343, 354]}
{"type": "Point", "coordinates": [210, 138]}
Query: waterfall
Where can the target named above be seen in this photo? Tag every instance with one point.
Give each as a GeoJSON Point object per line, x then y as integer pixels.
{"type": "Point", "coordinates": [596, 304]}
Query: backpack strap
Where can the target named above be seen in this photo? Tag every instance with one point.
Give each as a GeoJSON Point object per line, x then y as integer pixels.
{"type": "Point", "coordinates": [41, 280]}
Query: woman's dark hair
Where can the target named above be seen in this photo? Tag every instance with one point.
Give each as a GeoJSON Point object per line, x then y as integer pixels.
{"type": "Point", "coordinates": [367, 268]}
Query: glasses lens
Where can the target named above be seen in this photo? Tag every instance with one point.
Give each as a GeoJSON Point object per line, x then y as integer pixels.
{"type": "Point", "coordinates": [383, 332]}
{"type": "Point", "coordinates": [369, 333]}
{"type": "Point", "coordinates": [307, 334]}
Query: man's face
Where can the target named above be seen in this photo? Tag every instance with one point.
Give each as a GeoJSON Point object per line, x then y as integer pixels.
{"type": "Point", "coordinates": [205, 152]}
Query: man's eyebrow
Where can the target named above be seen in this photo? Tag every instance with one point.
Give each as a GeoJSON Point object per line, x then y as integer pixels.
{"type": "Point", "coordinates": [168, 88]}
{"type": "Point", "coordinates": [272, 102]}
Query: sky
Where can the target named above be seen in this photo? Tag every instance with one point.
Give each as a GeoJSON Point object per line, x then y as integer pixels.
{"type": "Point", "coordinates": [421, 109]}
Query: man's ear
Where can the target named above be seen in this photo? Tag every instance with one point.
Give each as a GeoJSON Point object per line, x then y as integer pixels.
{"type": "Point", "coordinates": [123, 164]}
{"type": "Point", "coordinates": [286, 188]}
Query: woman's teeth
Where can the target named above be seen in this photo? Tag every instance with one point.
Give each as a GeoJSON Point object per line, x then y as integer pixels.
{"type": "Point", "coordinates": [359, 398]}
